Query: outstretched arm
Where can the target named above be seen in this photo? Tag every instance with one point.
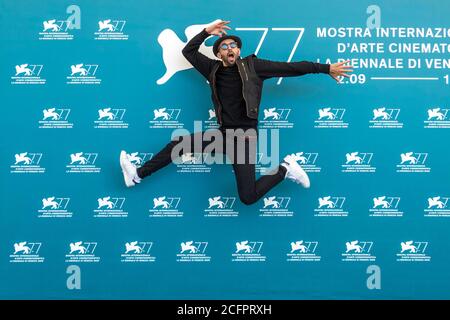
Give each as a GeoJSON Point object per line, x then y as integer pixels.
{"type": "Point", "coordinates": [268, 69]}
{"type": "Point", "coordinates": [198, 60]}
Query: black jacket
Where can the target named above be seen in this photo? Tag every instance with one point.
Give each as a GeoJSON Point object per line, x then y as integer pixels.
{"type": "Point", "coordinates": [253, 72]}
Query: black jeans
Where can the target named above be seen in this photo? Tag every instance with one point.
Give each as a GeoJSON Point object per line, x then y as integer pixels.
{"type": "Point", "coordinates": [241, 151]}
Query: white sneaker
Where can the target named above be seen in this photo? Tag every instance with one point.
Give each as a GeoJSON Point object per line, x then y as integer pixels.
{"type": "Point", "coordinates": [129, 170]}
{"type": "Point", "coordinates": [295, 172]}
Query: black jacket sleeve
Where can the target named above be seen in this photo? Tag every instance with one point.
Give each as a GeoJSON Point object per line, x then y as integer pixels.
{"type": "Point", "coordinates": [199, 61]}
{"type": "Point", "coordinates": [267, 69]}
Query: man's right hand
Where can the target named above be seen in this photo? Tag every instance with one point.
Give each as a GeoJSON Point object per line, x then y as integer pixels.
{"type": "Point", "coordinates": [218, 29]}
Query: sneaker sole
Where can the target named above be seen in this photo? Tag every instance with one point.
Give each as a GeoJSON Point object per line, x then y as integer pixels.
{"type": "Point", "coordinates": [306, 184]}
{"type": "Point", "coordinates": [128, 181]}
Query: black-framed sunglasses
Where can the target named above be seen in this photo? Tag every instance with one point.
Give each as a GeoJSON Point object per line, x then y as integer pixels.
{"type": "Point", "coordinates": [225, 46]}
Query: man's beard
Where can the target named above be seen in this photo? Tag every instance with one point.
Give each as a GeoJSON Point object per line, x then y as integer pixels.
{"type": "Point", "coordinates": [230, 59]}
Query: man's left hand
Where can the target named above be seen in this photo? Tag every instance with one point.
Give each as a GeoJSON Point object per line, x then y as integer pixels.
{"type": "Point", "coordinates": [340, 69]}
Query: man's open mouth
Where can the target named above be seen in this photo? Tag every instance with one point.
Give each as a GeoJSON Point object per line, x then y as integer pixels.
{"type": "Point", "coordinates": [231, 55]}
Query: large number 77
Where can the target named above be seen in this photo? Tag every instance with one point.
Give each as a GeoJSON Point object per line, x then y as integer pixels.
{"type": "Point", "coordinates": [263, 37]}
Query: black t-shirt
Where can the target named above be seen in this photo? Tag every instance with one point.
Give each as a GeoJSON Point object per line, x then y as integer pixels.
{"type": "Point", "coordinates": [229, 90]}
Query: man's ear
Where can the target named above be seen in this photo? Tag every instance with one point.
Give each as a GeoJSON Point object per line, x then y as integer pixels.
{"type": "Point", "coordinates": [219, 55]}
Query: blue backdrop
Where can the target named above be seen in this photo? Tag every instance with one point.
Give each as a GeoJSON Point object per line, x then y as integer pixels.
{"type": "Point", "coordinates": [334, 240]}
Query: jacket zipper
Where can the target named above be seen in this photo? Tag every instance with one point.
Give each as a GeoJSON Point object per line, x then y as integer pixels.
{"type": "Point", "coordinates": [245, 71]}
{"type": "Point", "coordinates": [243, 86]}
